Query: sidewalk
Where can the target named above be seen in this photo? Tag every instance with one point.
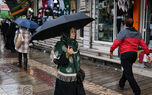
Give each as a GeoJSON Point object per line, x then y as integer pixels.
{"type": "Point", "coordinates": [98, 76]}
{"type": "Point", "coordinates": [13, 80]}
{"type": "Point", "coordinates": [40, 77]}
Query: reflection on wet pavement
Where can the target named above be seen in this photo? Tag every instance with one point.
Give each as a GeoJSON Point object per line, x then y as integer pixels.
{"type": "Point", "coordinates": [12, 78]}
{"type": "Point", "coordinates": [100, 80]}
{"type": "Point", "coordinates": [39, 79]}
{"type": "Point", "coordinates": [1, 43]}
{"type": "Point", "coordinates": [38, 76]}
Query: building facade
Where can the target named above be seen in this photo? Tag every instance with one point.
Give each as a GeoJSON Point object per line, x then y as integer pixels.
{"type": "Point", "coordinates": [109, 18]}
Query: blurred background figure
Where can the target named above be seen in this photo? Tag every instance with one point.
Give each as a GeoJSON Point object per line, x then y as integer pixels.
{"type": "Point", "coordinates": [23, 49]}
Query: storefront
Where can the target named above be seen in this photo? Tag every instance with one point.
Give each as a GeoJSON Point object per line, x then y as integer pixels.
{"type": "Point", "coordinates": [109, 20]}
{"type": "Point", "coordinates": [147, 22]}
{"type": "Point", "coordinates": [104, 26]}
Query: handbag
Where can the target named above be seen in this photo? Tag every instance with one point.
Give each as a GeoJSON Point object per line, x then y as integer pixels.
{"type": "Point", "coordinates": [80, 74]}
{"type": "Point", "coordinates": [19, 40]}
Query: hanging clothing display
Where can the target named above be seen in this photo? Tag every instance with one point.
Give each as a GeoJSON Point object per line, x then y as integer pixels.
{"type": "Point", "coordinates": [45, 9]}
{"type": "Point", "coordinates": [40, 4]}
{"type": "Point", "coordinates": [61, 4]}
{"type": "Point", "coordinates": [48, 12]}
{"type": "Point", "coordinates": [73, 5]}
{"type": "Point", "coordinates": [124, 5]}
{"type": "Point", "coordinates": [67, 7]}
{"type": "Point", "coordinates": [56, 9]}
{"type": "Point", "coordinates": [44, 3]}
{"type": "Point", "coordinates": [40, 14]}
{"type": "Point", "coordinates": [119, 18]}
{"type": "Point", "coordinates": [146, 3]}
{"type": "Point", "coordinates": [130, 10]}
{"type": "Point", "coordinates": [51, 4]}
{"type": "Point", "coordinates": [61, 7]}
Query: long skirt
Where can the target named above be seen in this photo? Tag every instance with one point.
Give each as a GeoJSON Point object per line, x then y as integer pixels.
{"type": "Point", "coordinates": [68, 88]}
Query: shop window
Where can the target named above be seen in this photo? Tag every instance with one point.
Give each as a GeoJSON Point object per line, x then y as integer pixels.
{"type": "Point", "coordinates": [104, 20]}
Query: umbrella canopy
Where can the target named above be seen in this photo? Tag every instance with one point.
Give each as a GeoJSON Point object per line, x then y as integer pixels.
{"type": "Point", "coordinates": [58, 26]}
{"type": "Point", "coordinates": [27, 23]}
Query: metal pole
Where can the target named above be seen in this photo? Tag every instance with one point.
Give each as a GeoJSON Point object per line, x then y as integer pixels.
{"type": "Point", "coordinates": [115, 21]}
{"type": "Point", "coordinates": [91, 38]}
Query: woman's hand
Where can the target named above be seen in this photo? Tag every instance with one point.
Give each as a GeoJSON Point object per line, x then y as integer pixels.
{"type": "Point", "coordinates": [111, 54]}
{"type": "Point", "coordinates": [148, 58]}
{"type": "Point", "coordinates": [70, 50]}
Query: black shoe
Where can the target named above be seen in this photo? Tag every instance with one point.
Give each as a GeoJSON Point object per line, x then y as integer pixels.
{"type": "Point", "coordinates": [120, 87]}
{"type": "Point", "coordinates": [25, 69]}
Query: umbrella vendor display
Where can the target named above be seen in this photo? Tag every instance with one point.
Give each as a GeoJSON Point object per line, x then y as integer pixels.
{"type": "Point", "coordinates": [26, 23]}
{"type": "Point", "coordinates": [58, 26]}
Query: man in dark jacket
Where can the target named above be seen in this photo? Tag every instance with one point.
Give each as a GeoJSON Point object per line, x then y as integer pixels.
{"type": "Point", "coordinates": [128, 40]}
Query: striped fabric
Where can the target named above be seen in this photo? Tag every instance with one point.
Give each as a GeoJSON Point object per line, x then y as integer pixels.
{"type": "Point", "coordinates": [25, 45]}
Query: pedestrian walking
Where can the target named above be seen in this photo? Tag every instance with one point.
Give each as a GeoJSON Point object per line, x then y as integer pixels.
{"type": "Point", "coordinates": [67, 57]}
{"type": "Point", "coordinates": [4, 29]}
{"type": "Point", "coordinates": [10, 36]}
{"type": "Point", "coordinates": [128, 40]}
{"type": "Point", "coordinates": [23, 48]}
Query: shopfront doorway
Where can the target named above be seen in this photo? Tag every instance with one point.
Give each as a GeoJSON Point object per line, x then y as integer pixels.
{"type": "Point", "coordinates": [147, 22]}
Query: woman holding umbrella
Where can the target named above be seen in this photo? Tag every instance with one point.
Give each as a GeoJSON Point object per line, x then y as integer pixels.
{"type": "Point", "coordinates": [67, 57]}
{"type": "Point", "coordinates": [25, 25]}
{"type": "Point", "coordinates": [23, 49]}
{"type": "Point", "coordinates": [65, 53]}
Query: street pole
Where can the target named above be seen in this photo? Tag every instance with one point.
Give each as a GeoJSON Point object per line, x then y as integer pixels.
{"type": "Point", "coordinates": [91, 38]}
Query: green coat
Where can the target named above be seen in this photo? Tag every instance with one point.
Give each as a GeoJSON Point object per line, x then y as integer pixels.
{"type": "Point", "coordinates": [61, 48]}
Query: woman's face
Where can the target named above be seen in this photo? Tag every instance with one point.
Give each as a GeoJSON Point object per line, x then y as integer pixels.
{"type": "Point", "coordinates": [72, 33]}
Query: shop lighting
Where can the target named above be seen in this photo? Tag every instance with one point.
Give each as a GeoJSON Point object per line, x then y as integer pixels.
{"type": "Point", "coordinates": [30, 9]}
{"type": "Point", "coordinates": [55, 1]}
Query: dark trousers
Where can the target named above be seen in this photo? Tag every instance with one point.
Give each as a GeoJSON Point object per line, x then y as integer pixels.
{"type": "Point", "coordinates": [127, 60]}
{"type": "Point", "coordinates": [25, 59]}
{"type": "Point", "coordinates": [68, 88]}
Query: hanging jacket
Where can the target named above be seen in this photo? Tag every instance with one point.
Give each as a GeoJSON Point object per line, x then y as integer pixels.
{"type": "Point", "coordinates": [51, 4]}
{"type": "Point", "coordinates": [61, 4]}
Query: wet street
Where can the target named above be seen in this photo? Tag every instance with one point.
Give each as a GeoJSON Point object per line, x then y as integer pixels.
{"type": "Point", "coordinates": [40, 77]}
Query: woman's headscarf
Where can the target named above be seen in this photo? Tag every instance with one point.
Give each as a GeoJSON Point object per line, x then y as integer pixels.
{"type": "Point", "coordinates": [68, 41]}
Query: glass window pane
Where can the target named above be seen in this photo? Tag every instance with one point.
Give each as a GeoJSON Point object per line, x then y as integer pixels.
{"type": "Point", "coordinates": [104, 20]}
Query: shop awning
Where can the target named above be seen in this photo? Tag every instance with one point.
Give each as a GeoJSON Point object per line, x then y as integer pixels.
{"type": "Point", "coordinates": [14, 5]}
{"type": "Point", "coordinates": [17, 12]}
{"type": "Point", "coordinates": [18, 6]}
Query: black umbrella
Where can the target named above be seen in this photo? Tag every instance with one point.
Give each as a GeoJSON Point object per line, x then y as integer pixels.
{"type": "Point", "coordinates": [58, 26]}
